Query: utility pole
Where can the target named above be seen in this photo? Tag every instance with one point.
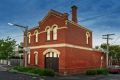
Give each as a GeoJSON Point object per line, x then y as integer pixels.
{"type": "Point", "coordinates": [107, 37]}
{"type": "Point", "coordinates": [26, 40]}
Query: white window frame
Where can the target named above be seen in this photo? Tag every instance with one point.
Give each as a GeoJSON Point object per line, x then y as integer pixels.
{"type": "Point", "coordinates": [48, 33]}
{"type": "Point", "coordinates": [29, 37]}
{"type": "Point", "coordinates": [55, 31]}
{"type": "Point", "coordinates": [36, 35]}
{"type": "Point", "coordinates": [36, 57]}
{"type": "Point", "coordinates": [51, 54]}
{"type": "Point", "coordinates": [29, 58]}
{"type": "Point", "coordinates": [87, 37]}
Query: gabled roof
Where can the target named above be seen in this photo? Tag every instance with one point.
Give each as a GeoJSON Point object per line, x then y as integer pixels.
{"type": "Point", "coordinates": [59, 14]}
{"type": "Point", "coordinates": [80, 26]}
{"type": "Point", "coordinates": [52, 12]}
{"type": "Point", "coordinates": [33, 28]}
{"type": "Point", "coordinates": [56, 12]}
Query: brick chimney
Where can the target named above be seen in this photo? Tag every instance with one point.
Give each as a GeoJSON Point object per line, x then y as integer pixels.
{"type": "Point", "coordinates": [74, 13]}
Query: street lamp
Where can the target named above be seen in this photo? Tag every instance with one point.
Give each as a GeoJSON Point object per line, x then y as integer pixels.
{"type": "Point", "coordinates": [26, 37]}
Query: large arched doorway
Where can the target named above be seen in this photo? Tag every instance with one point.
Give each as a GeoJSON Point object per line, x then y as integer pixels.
{"type": "Point", "coordinates": [52, 59]}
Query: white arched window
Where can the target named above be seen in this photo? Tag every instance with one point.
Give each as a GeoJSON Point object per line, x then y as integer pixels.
{"type": "Point", "coordinates": [87, 37]}
{"type": "Point", "coordinates": [36, 35]}
{"type": "Point", "coordinates": [36, 57]}
{"type": "Point", "coordinates": [48, 33]}
{"type": "Point", "coordinates": [29, 37]}
{"type": "Point", "coordinates": [55, 27]}
{"type": "Point", "coordinates": [28, 58]}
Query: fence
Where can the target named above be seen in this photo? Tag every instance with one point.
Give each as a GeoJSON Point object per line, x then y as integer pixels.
{"type": "Point", "coordinates": [12, 62]}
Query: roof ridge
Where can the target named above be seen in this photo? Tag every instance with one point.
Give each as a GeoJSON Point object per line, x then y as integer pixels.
{"type": "Point", "coordinates": [56, 11]}
{"type": "Point", "coordinates": [81, 26]}
{"type": "Point", "coordinates": [33, 27]}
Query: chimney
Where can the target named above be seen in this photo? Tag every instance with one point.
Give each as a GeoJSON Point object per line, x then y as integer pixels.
{"type": "Point", "coordinates": [74, 13]}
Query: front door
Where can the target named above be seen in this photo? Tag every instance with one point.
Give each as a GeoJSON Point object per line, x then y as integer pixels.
{"type": "Point", "coordinates": [52, 61]}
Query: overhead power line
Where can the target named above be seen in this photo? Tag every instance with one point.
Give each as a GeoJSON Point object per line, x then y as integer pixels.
{"type": "Point", "coordinates": [115, 40]}
{"type": "Point", "coordinates": [95, 17]}
{"type": "Point", "coordinates": [107, 37]}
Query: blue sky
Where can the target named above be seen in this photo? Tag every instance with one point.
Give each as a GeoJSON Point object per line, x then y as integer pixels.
{"type": "Point", "coordinates": [101, 16]}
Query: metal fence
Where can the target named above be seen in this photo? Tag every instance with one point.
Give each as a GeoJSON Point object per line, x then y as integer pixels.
{"type": "Point", "coordinates": [12, 62]}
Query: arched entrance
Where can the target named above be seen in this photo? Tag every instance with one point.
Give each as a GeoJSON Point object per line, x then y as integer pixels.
{"type": "Point", "coordinates": [51, 59]}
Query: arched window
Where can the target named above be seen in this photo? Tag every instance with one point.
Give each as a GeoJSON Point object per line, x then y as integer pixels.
{"type": "Point", "coordinates": [51, 54]}
{"type": "Point", "coordinates": [55, 27]}
{"type": "Point", "coordinates": [48, 32]}
{"type": "Point", "coordinates": [36, 35]}
{"type": "Point", "coordinates": [36, 57]}
{"type": "Point", "coordinates": [28, 58]}
{"type": "Point", "coordinates": [87, 37]}
{"type": "Point", "coordinates": [29, 37]}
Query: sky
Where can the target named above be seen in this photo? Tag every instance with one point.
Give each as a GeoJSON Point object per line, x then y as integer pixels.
{"type": "Point", "coordinates": [100, 16]}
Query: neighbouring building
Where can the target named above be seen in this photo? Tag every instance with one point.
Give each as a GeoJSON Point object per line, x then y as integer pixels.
{"type": "Point", "coordinates": [63, 45]}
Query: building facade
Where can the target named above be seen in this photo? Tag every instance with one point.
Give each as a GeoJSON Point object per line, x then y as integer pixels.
{"type": "Point", "coordinates": [62, 45]}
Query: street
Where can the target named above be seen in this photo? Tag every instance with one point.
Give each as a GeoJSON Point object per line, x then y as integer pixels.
{"type": "Point", "coordinates": [5, 75]}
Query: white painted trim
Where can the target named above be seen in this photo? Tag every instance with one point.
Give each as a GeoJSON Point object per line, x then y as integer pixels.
{"type": "Point", "coordinates": [51, 50]}
{"type": "Point", "coordinates": [45, 31]}
{"type": "Point", "coordinates": [62, 27]}
{"type": "Point", "coordinates": [47, 27]}
{"type": "Point", "coordinates": [36, 57]}
{"type": "Point", "coordinates": [42, 32]}
{"type": "Point", "coordinates": [35, 52]}
{"type": "Point", "coordinates": [54, 25]}
{"type": "Point", "coordinates": [61, 45]}
{"type": "Point", "coordinates": [29, 58]}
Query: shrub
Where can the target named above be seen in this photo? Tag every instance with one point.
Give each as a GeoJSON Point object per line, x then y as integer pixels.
{"type": "Point", "coordinates": [41, 72]}
{"type": "Point", "coordinates": [102, 71]}
{"type": "Point", "coordinates": [91, 72]}
{"type": "Point", "coordinates": [22, 69]}
{"type": "Point", "coordinates": [97, 72]}
{"type": "Point", "coordinates": [37, 71]}
{"type": "Point", "coordinates": [49, 72]}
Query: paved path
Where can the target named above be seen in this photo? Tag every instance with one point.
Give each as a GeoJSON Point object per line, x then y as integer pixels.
{"type": "Point", "coordinates": [2, 68]}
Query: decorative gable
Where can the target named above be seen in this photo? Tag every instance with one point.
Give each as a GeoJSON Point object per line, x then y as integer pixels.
{"type": "Point", "coordinates": [53, 17]}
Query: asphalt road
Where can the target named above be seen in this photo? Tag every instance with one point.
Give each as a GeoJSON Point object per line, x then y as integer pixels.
{"type": "Point", "coordinates": [5, 75]}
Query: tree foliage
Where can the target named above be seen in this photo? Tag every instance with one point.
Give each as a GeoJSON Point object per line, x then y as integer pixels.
{"type": "Point", "coordinates": [7, 47]}
{"type": "Point", "coordinates": [114, 50]}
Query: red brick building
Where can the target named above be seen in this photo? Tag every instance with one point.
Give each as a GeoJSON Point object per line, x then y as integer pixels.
{"type": "Point", "coordinates": [63, 45]}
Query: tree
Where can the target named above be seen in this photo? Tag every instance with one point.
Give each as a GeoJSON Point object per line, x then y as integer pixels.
{"type": "Point", "coordinates": [114, 51]}
{"type": "Point", "coordinates": [7, 47]}
{"type": "Point", "coordinates": [20, 48]}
